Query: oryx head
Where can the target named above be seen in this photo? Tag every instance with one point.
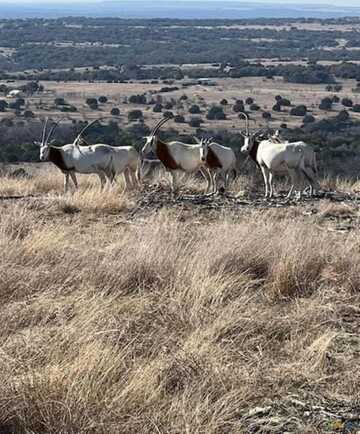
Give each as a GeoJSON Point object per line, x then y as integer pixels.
{"type": "Point", "coordinates": [151, 139]}
{"type": "Point", "coordinates": [204, 147]}
{"type": "Point", "coordinates": [45, 142]}
{"type": "Point", "coordinates": [250, 137]}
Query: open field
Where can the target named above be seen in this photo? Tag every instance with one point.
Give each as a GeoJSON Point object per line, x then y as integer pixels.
{"type": "Point", "coordinates": [133, 313]}
{"type": "Point", "coordinates": [263, 91]}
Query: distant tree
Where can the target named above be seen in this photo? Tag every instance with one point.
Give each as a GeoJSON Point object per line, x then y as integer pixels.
{"type": "Point", "coordinates": [278, 98]}
{"type": "Point", "coordinates": [157, 108]}
{"type": "Point", "coordinates": [92, 103]}
{"type": "Point", "coordinates": [169, 105]}
{"type": "Point", "coordinates": [277, 107]}
{"type": "Point", "coordinates": [216, 113]}
{"type": "Point", "coordinates": [284, 102]}
{"type": "Point", "coordinates": [326, 104]}
{"type": "Point", "coordinates": [194, 109]}
{"type": "Point", "coordinates": [103, 99]}
{"type": "Point", "coordinates": [179, 119]}
{"type": "Point", "coordinates": [183, 97]}
{"type": "Point", "coordinates": [59, 101]}
{"type": "Point", "coordinates": [28, 114]}
{"type": "Point", "coordinates": [195, 122]}
{"type": "Point", "coordinates": [338, 88]}
{"type": "Point", "coordinates": [347, 102]}
{"type": "Point", "coordinates": [3, 105]}
{"type": "Point", "coordinates": [115, 111]}
{"type": "Point", "coordinates": [308, 119]}
{"type": "Point", "coordinates": [343, 116]}
{"type": "Point", "coordinates": [239, 106]}
{"type": "Point", "coordinates": [329, 88]}
{"type": "Point", "coordinates": [249, 100]}
{"type": "Point", "coordinates": [266, 115]}
{"type": "Point", "coordinates": [299, 110]}
{"type": "Point", "coordinates": [356, 108]}
{"type": "Point", "coordinates": [134, 115]}
{"type": "Point", "coordinates": [335, 99]}
{"type": "Point", "coordinates": [168, 115]}
{"type": "Point", "coordinates": [254, 107]}
{"type": "Point", "coordinates": [224, 102]}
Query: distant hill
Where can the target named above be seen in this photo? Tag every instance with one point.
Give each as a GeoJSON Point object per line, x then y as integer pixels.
{"type": "Point", "coordinates": [176, 9]}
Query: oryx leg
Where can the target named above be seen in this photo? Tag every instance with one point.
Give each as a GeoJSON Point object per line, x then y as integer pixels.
{"type": "Point", "coordinates": [294, 176]}
{"type": "Point", "coordinates": [74, 180]}
{"type": "Point", "coordinates": [66, 182]}
{"type": "Point", "coordinates": [102, 177]}
{"type": "Point", "coordinates": [265, 173]}
{"type": "Point", "coordinates": [270, 178]}
{"type": "Point", "coordinates": [209, 179]}
{"type": "Point", "coordinates": [128, 184]}
{"type": "Point", "coordinates": [173, 181]}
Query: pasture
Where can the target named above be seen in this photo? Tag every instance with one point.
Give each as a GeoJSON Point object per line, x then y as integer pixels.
{"type": "Point", "coordinates": [131, 312]}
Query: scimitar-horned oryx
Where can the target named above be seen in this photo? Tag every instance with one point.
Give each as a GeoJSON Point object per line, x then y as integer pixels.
{"type": "Point", "coordinates": [176, 156]}
{"type": "Point", "coordinates": [220, 160]}
{"type": "Point", "coordinates": [274, 158]}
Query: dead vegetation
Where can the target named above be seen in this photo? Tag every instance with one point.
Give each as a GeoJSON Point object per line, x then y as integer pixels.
{"type": "Point", "coordinates": [120, 315]}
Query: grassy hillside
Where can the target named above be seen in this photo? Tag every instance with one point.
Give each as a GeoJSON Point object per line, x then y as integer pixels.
{"type": "Point", "coordinates": [117, 318]}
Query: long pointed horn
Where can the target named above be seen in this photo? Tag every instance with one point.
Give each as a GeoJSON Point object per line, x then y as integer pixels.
{"type": "Point", "coordinates": [44, 130]}
{"type": "Point", "coordinates": [245, 115]}
{"type": "Point", "coordinates": [197, 140]}
{"type": "Point", "coordinates": [52, 130]}
{"type": "Point", "coordinates": [84, 129]}
{"type": "Point", "coordinates": [159, 125]}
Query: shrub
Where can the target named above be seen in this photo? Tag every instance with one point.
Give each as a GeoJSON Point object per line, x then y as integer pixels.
{"type": "Point", "coordinates": [299, 110]}
{"type": "Point", "coordinates": [343, 116]}
{"type": "Point", "coordinates": [59, 101]}
{"type": "Point", "coordinates": [216, 113]}
{"type": "Point", "coordinates": [194, 109]}
{"type": "Point", "coordinates": [29, 114]}
{"type": "Point", "coordinates": [277, 107]}
{"type": "Point", "coordinates": [326, 104]}
{"type": "Point", "coordinates": [284, 102]}
{"type": "Point", "coordinates": [249, 101]}
{"type": "Point", "coordinates": [356, 108]}
{"type": "Point", "coordinates": [254, 107]}
{"type": "Point", "coordinates": [103, 99]}
{"type": "Point", "coordinates": [239, 107]}
{"type": "Point", "coordinates": [92, 103]}
{"type": "Point", "coordinates": [3, 105]}
{"type": "Point", "coordinates": [347, 102]}
{"type": "Point", "coordinates": [134, 115]}
{"type": "Point", "coordinates": [195, 122]}
{"type": "Point", "coordinates": [308, 119]}
{"type": "Point", "coordinates": [266, 115]}
{"type": "Point", "coordinates": [115, 111]}
{"type": "Point", "coordinates": [224, 102]}
{"type": "Point", "coordinates": [179, 119]}
{"type": "Point", "coordinates": [168, 115]}
{"type": "Point", "coordinates": [157, 108]}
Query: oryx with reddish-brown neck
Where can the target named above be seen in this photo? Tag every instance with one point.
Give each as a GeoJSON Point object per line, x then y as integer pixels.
{"type": "Point", "coordinates": [176, 156]}
{"type": "Point", "coordinates": [274, 158]}
{"type": "Point", "coordinates": [220, 160]}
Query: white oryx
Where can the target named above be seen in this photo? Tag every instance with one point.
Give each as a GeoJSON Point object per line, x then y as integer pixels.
{"type": "Point", "coordinates": [309, 159]}
{"type": "Point", "coordinates": [176, 156]}
{"type": "Point", "coordinates": [274, 158]}
{"type": "Point", "coordinates": [104, 160]}
{"type": "Point", "coordinates": [220, 160]}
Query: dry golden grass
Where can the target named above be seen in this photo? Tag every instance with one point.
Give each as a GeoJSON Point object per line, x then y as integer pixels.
{"type": "Point", "coordinates": [161, 325]}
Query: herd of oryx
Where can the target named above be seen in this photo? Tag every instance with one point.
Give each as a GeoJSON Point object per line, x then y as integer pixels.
{"type": "Point", "coordinates": [272, 155]}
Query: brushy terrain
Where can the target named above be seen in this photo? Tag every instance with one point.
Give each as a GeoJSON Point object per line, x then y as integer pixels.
{"type": "Point", "coordinates": [165, 322]}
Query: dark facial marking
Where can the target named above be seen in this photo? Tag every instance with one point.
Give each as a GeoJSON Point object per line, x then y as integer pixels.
{"type": "Point", "coordinates": [164, 155]}
{"type": "Point", "coordinates": [212, 159]}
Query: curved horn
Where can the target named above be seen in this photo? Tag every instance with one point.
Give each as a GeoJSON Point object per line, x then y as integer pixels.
{"type": "Point", "coordinates": [246, 116]}
{"type": "Point", "coordinates": [44, 130]}
{"type": "Point", "coordinates": [84, 129]}
{"type": "Point", "coordinates": [53, 128]}
{"type": "Point", "coordinates": [159, 125]}
{"type": "Point", "coordinates": [197, 140]}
